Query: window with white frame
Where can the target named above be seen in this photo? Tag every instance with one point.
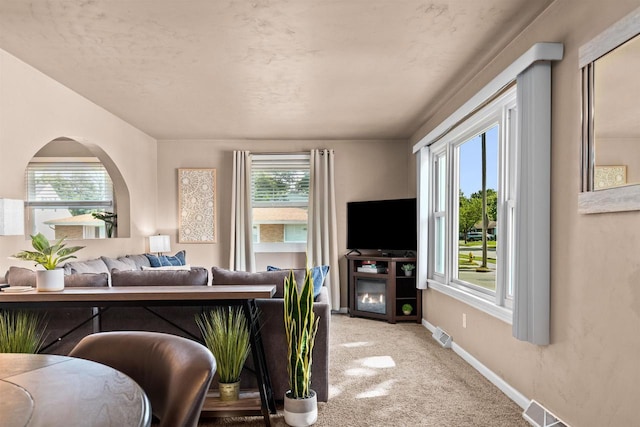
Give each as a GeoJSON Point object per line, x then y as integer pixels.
{"type": "Point", "coordinates": [280, 200]}
{"type": "Point", "coordinates": [505, 133]}
{"type": "Point", "coordinates": [471, 188]}
{"type": "Point", "coordinates": [62, 195]}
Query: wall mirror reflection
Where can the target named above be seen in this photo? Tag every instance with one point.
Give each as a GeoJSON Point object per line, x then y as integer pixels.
{"type": "Point", "coordinates": [610, 66]}
{"type": "Point", "coordinates": [69, 193]}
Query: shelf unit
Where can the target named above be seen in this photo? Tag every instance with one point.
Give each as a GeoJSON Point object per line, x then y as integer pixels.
{"type": "Point", "coordinates": [397, 289]}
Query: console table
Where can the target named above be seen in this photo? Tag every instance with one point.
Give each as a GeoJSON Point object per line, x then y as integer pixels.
{"type": "Point", "coordinates": [143, 296]}
{"type": "Point", "coordinates": [45, 389]}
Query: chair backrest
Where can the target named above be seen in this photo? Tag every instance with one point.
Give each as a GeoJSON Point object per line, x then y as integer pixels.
{"type": "Point", "coordinates": [174, 372]}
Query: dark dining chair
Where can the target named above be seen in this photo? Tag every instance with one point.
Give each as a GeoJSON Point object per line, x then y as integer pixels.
{"type": "Point", "coordinates": [174, 372]}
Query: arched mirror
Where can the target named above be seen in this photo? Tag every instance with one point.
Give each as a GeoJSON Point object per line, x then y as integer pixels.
{"type": "Point", "coordinates": [610, 65]}
{"type": "Point", "coordinates": [73, 191]}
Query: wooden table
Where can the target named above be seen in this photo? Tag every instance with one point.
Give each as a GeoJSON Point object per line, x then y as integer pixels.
{"type": "Point", "coordinates": [50, 390]}
{"type": "Point", "coordinates": [143, 296]}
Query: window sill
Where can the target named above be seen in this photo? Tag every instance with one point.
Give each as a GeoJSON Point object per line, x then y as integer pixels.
{"type": "Point", "coordinates": [502, 313]}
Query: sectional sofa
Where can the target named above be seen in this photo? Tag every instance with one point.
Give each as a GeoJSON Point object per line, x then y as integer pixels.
{"type": "Point", "coordinates": [136, 270]}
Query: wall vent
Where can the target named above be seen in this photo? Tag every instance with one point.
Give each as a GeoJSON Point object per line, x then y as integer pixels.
{"type": "Point", "coordinates": [442, 337]}
{"type": "Point", "coordinates": [539, 416]}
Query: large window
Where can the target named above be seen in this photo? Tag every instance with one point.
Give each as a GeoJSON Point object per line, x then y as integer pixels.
{"type": "Point", "coordinates": [62, 194]}
{"type": "Point", "coordinates": [470, 217]}
{"type": "Point", "coordinates": [280, 199]}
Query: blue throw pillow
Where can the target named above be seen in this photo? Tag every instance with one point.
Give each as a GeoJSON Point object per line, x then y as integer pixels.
{"type": "Point", "coordinates": [317, 275]}
{"type": "Point", "coordinates": [167, 260]}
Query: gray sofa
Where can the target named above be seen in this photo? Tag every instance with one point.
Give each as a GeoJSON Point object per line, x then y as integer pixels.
{"type": "Point", "coordinates": [182, 319]}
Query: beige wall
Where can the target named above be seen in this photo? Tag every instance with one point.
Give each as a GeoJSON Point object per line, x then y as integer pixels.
{"type": "Point", "coordinates": [34, 110]}
{"type": "Point", "coordinates": [589, 375]}
{"type": "Point", "coordinates": [365, 170]}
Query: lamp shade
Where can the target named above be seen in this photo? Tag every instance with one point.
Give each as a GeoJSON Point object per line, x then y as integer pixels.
{"type": "Point", "coordinates": [11, 217]}
{"type": "Point", "coordinates": [159, 243]}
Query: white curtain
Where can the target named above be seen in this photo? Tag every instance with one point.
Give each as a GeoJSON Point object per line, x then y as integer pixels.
{"type": "Point", "coordinates": [322, 242]}
{"type": "Point", "coordinates": [531, 302]}
{"type": "Point", "coordinates": [241, 257]}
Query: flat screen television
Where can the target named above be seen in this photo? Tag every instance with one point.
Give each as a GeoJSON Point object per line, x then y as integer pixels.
{"type": "Point", "coordinates": [389, 226]}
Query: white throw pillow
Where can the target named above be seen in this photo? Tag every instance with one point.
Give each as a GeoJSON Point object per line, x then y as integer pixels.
{"type": "Point", "coordinates": [168, 267]}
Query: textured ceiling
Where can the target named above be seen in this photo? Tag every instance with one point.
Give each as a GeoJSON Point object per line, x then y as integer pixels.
{"type": "Point", "coordinates": [308, 69]}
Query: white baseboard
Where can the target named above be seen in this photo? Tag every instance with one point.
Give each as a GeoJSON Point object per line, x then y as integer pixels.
{"type": "Point", "coordinates": [513, 394]}
{"type": "Point", "coordinates": [341, 310]}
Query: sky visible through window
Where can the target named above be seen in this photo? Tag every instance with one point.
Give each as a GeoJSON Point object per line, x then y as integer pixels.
{"type": "Point", "coordinates": [471, 163]}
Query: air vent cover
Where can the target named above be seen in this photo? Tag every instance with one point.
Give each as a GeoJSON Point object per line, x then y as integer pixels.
{"type": "Point", "coordinates": [442, 337]}
{"type": "Point", "coordinates": [537, 415]}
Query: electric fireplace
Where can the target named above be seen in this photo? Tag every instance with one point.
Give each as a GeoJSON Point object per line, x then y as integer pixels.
{"type": "Point", "coordinates": [371, 295]}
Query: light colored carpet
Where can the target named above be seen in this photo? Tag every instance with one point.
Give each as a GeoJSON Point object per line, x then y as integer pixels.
{"type": "Point", "coordinates": [397, 375]}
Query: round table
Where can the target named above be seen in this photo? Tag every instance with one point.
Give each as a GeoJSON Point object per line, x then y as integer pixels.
{"type": "Point", "coordinates": [44, 389]}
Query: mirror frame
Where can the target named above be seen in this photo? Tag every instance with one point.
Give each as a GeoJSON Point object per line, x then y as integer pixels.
{"type": "Point", "coordinates": [618, 199]}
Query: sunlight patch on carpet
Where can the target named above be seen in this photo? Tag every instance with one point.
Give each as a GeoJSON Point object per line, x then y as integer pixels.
{"type": "Point", "coordinates": [360, 372]}
{"type": "Point", "coordinates": [381, 389]}
{"type": "Point", "coordinates": [378, 362]}
{"type": "Point", "coordinates": [356, 344]}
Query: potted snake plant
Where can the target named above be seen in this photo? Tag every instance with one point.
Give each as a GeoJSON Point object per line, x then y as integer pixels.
{"type": "Point", "coordinates": [301, 325]}
{"type": "Point", "coordinates": [48, 256]}
{"type": "Point", "coordinates": [226, 333]}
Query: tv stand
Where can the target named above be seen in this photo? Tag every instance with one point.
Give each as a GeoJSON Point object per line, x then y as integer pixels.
{"type": "Point", "coordinates": [381, 292]}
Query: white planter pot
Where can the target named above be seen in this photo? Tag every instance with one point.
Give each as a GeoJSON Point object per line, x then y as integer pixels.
{"type": "Point", "coordinates": [301, 412]}
{"type": "Point", "coordinates": [50, 280]}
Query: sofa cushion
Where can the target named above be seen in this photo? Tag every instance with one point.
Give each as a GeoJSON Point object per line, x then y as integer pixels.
{"type": "Point", "coordinates": [167, 260]}
{"type": "Point", "coordinates": [221, 276]}
{"type": "Point", "coordinates": [197, 276]}
{"type": "Point", "coordinates": [86, 280]}
{"type": "Point", "coordinates": [18, 276]}
{"type": "Point", "coordinates": [91, 266]}
{"type": "Point", "coordinates": [318, 275]}
{"type": "Point", "coordinates": [139, 260]}
{"type": "Point", "coordinates": [122, 263]}
{"type": "Point", "coordinates": [168, 268]}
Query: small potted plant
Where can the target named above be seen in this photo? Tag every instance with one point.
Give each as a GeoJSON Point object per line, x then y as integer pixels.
{"type": "Point", "coordinates": [226, 333]}
{"type": "Point", "coordinates": [301, 325]}
{"type": "Point", "coordinates": [407, 309]}
{"type": "Point", "coordinates": [408, 269]}
{"type": "Point", "coordinates": [21, 331]}
{"type": "Point", "coordinates": [110, 221]}
{"type": "Point", "coordinates": [48, 256]}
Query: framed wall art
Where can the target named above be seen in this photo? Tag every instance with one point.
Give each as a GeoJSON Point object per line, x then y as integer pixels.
{"type": "Point", "coordinates": [197, 206]}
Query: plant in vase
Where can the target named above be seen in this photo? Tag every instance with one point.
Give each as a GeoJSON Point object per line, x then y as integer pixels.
{"type": "Point", "coordinates": [226, 333]}
{"type": "Point", "coordinates": [301, 325]}
{"type": "Point", "coordinates": [48, 256]}
{"type": "Point", "coordinates": [21, 332]}
{"type": "Point", "coordinates": [407, 309]}
{"type": "Point", "coordinates": [110, 221]}
{"type": "Point", "coordinates": [408, 269]}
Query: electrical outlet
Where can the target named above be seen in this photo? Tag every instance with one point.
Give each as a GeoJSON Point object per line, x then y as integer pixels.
{"type": "Point", "coordinates": [464, 320]}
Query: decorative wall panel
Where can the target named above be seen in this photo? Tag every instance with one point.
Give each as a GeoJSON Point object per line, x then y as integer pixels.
{"type": "Point", "coordinates": [197, 206]}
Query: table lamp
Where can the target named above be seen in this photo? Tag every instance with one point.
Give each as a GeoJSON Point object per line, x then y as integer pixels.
{"type": "Point", "coordinates": [159, 243]}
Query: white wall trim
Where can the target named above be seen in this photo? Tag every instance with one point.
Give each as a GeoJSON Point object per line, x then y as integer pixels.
{"type": "Point", "coordinates": [538, 52]}
{"type": "Point", "coordinates": [513, 394]}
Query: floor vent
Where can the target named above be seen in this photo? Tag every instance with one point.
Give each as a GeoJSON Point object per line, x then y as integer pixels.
{"type": "Point", "coordinates": [539, 416]}
{"type": "Point", "coordinates": [442, 337]}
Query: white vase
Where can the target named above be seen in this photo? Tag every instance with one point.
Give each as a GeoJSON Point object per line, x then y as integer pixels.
{"type": "Point", "coordinates": [50, 280]}
{"type": "Point", "coordinates": [300, 412]}
{"type": "Point", "coordinates": [408, 272]}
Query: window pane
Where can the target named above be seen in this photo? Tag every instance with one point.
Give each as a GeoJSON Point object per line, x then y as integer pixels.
{"type": "Point", "coordinates": [441, 183]}
{"type": "Point", "coordinates": [440, 245]}
{"type": "Point", "coordinates": [280, 198]}
{"type": "Point", "coordinates": [61, 196]}
{"type": "Point", "coordinates": [477, 237]}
